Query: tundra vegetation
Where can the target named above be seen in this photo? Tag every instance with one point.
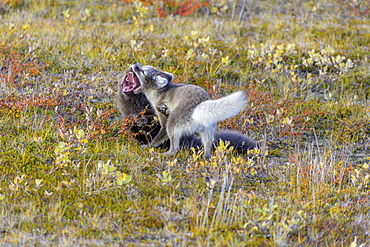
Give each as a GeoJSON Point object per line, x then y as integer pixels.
{"type": "Point", "coordinates": [70, 176]}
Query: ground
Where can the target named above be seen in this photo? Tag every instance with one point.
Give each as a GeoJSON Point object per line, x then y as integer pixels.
{"type": "Point", "coordinates": [71, 176]}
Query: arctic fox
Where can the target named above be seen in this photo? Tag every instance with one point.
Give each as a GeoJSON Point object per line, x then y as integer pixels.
{"type": "Point", "coordinates": [190, 108]}
{"type": "Point", "coordinates": [144, 124]}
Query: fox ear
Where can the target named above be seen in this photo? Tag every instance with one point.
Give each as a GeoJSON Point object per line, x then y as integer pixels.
{"type": "Point", "coordinates": [161, 81]}
{"type": "Point", "coordinates": [169, 76]}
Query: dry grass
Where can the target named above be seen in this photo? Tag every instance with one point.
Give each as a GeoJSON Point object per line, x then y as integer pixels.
{"type": "Point", "coordinates": [68, 177]}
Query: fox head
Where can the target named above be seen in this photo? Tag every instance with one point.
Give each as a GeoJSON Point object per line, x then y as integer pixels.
{"type": "Point", "coordinates": [150, 78]}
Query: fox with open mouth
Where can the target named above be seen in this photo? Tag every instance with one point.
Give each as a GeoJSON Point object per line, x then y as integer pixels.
{"type": "Point", "coordinates": [182, 109]}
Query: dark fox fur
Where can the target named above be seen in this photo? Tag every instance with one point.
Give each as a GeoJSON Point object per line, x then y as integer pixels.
{"type": "Point", "coordinates": [145, 125]}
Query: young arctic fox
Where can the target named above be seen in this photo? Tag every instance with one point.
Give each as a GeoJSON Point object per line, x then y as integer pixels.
{"type": "Point", "coordinates": [189, 108]}
{"type": "Point", "coordinates": [145, 126]}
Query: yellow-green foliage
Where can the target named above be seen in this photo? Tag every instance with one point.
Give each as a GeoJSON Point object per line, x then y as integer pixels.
{"type": "Point", "coordinates": [70, 177]}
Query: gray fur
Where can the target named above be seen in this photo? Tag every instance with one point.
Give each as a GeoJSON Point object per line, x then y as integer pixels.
{"type": "Point", "coordinates": [146, 126]}
{"type": "Point", "coordinates": [182, 100]}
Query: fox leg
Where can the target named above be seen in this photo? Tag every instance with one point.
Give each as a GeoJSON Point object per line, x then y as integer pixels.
{"type": "Point", "coordinates": [159, 138]}
{"type": "Point", "coordinates": [174, 135]}
{"type": "Point", "coordinates": [175, 130]}
{"type": "Point", "coordinates": [207, 136]}
{"type": "Point", "coordinates": [162, 134]}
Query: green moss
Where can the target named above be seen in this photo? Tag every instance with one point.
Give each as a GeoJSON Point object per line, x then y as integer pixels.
{"type": "Point", "coordinates": [309, 188]}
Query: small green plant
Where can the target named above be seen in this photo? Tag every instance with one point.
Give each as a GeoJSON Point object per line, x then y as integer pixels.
{"type": "Point", "coordinates": [123, 178]}
{"type": "Point", "coordinates": [165, 177]}
{"type": "Point", "coordinates": [202, 49]}
{"type": "Point", "coordinates": [361, 177]}
{"type": "Point", "coordinates": [62, 152]}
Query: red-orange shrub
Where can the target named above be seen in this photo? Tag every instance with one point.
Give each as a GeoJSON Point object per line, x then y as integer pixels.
{"type": "Point", "coordinates": [16, 65]}
{"type": "Point", "coordinates": [174, 7]}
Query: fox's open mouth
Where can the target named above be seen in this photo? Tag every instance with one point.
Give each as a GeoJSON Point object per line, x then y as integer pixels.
{"type": "Point", "coordinates": [130, 82]}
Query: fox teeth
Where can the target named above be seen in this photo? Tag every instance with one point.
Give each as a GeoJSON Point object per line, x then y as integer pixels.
{"type": "Point", "coordinates": [130, 82]}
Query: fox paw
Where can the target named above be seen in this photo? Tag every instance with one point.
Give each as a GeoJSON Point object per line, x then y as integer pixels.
{"type": "Point", "coordinates": [168, 153]}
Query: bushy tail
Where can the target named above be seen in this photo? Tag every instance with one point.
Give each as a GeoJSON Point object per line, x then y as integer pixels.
{"type": "Point", "coordinates": [211, 111]}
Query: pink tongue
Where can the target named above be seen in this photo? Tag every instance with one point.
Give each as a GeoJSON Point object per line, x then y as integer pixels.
{"type": "Point", "coordinates": [127, 89]}
{"type": "Point", "coordinates": [129, 83]}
